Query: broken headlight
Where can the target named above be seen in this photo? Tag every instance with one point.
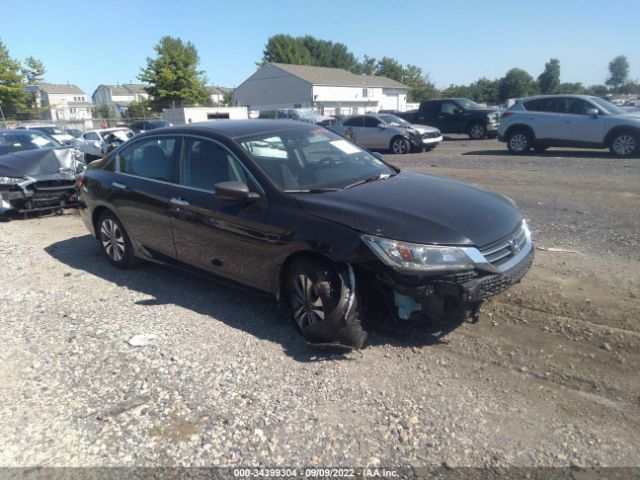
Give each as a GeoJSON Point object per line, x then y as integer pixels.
{"type": "Point", "coordinates": [10, 180]}
{"type": "Point", "coordinates": [423, 258]}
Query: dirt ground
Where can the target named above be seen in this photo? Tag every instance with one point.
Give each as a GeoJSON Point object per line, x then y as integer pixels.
{"type": "Point", "coordinates": [548, 377]}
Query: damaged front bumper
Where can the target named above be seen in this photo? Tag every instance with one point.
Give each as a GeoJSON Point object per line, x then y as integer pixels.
{"type": "Point", "coordinates": [32, 195]}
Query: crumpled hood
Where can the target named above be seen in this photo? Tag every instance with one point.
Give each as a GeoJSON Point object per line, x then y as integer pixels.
{"type": "Point", "coordinates": [424, 128]}
{"type": "Point", "coordinates": [43, 161]}
{"type": "Point", "coordinates": [418, 208]}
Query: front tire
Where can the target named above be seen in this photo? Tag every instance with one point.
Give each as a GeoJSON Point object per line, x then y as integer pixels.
{"type": "Point", "coordinates": [624, 144]}
{"type": "Point", "coordinates": [400, 145]}
{"type": "Point", "coordinates": [322, 303]}
{"type": "Point", "coordinates": [115, 241]}
{"type": "Point", "coordinates": [477, 131]}
{"type": "Point", "coordinates": [519, 142]}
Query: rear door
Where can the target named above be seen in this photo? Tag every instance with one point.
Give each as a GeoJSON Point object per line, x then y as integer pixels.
{"type": "Point", "coordinates": [544, 116]}
{"type": "Point", "coordinates": [141, 190]}
{"type": "Point", "coordinates": [353, 129]}
{"type": "Point", "coordinates": [372, 135]}
{"type": "Point", "coordinates": [224, 237]}
{"type": "Point", "coordinates": [578, 126]}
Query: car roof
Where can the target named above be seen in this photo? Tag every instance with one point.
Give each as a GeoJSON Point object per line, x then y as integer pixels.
{"type": "Point", "coordinates": [569, 95]}
{"type": "Point", "coordinates": [241, 128]}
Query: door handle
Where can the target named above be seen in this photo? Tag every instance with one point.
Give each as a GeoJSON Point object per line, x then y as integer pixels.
{"type": "Point", "coordinates": [121, 186]}
{"type": "Point", "coordinates": [179, 202]}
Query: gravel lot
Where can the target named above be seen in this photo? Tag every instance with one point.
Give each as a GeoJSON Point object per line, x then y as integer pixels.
{"type": "Point", "coordinates": [548, 377]}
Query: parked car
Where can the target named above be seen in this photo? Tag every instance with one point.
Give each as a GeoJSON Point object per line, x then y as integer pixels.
{"type": "Point", "coordinates": [456, 115]}
{"type": "Point", "coordinates": [140, 126]}
{"type": "Point", "coordinates": [570, 121]}
{"type": "Point", "coordinates": [19, 140]}
{"type": "Point", "coordinates": [39, 179]}
{"type": "Point", "coordinates": [297, 211]}
{"type": "Point", "coordinates": [95, 143]}
{"type": "Point", "coordinates": [74, 132]}
{"type": "Point", "coordinates": [307, 115]}
{"type": "Point", "coordinates": [373, 132]}
{"type": "Point", "coordinates": [51, 130]}
{"type": "Point", "coordinates": [431, 136]}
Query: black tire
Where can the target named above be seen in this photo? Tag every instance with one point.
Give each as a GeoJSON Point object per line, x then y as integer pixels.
{"type": "Point", "coordinates": [540, 148]}
{"type": "Point", "coordinates": [400, 145]}
{"type": "Point", "coordinates": [519, 142]}
{"type": "Point", "coordinates": [625, 143]}
{"type": "Point", "coordinates": [322, 303]}
{"type": "Point", "coordinates": [477, 131]}
{"type": "Point", "coordinates": [115, 241]}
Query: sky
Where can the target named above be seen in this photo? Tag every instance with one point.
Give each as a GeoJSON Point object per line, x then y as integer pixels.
{"type": "Point", "coordinates": [89, 43]}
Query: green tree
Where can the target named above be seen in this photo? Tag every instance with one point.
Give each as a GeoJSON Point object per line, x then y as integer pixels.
{"type": "Point", "coordinates": [227, 99]}
{"type": "Point", "coordinates": [597, 90]}
{"type": "Point", "coordinates": [618, 72]}
{"type": "Point", "coordinates": [33, 71]}
{"type": "Point", "coordinates": [420, 86]}
{"type": "Point", "coordinates": [549, 80]}
{"type": "Point", "coordinates": [173, 76]}
{"type": "Point", "coordinates": [141, 110]}
{"type": "Point", "coordinates": [12, 95]}
{"type": "Point", "coordinates": [515, 84]}
{"type": "Point", "coordinates": [571, 88]}
{"type": "Point", "coordinates": [367, 66]}
{"type": "Point", "coordinates": [104, 112]}
{"type": "Point", "coordinates": [285, 49]}
{"type": "Point", "coordinates": [390, 68]}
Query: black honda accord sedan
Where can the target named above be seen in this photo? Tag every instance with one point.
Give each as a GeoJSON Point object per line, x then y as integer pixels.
{"type": "Point", "coordinates": [297, 211]}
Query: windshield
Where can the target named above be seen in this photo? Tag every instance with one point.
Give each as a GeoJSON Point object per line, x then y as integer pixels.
{"type": "Point", "coordinates": [608, 107]}
{"type": "Point", "coordinates": [391, 119]}
{"type": "Point", "coordinates": [312, 159]}
{"type": "Point", "coordinates": [25, 141]}
{"type": "Point", "coordinates": [467, 104]}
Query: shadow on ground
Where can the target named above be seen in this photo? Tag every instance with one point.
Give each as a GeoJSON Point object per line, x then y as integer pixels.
{"type": "Point", "coordinates": [547, 153]}
{"type": "Point", "coordinates": [244, 310]}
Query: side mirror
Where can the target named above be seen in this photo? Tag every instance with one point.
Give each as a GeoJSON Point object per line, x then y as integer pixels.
{"type": "Point", "coordinates": [234, 191]}
{"type": "Point", "coordinates": [593, 112]}
{"type": "Point", "coordinates": [382, 125]}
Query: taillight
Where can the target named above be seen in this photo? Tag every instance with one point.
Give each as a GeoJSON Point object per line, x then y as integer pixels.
{"type": "Point", "coordinates": [505, 115]}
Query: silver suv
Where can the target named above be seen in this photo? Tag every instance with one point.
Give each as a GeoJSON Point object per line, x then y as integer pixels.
{"type": "Point", "coordinates": [569, 121]}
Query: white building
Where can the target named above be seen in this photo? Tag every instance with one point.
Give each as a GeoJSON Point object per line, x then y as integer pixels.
{"type": "Point", "coordinates": [331, 91]}
{"type": "Point", "coordinates": [119, 97]}
{"type": "Point", "coordinates": [64, 102]}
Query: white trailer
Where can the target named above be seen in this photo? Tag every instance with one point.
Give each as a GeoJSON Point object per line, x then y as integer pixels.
{"type": "Point", "coordinates": [184, 116]}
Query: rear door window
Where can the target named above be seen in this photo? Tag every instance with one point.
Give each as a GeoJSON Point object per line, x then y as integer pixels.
{"type": "Point", "coordinates": [549, 105]}
{"type": "Point", "coordinates": [154, 158]}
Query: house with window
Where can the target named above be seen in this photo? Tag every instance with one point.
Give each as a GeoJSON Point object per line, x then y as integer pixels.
{"type": "Point", "coordinates": [217, 95]}
{"type": "Point", "coordinates": [119, 97]}
{"type": "Point", "coordinates": [64, 102]}
{"type": "Point", "coordinates": [331, 91]}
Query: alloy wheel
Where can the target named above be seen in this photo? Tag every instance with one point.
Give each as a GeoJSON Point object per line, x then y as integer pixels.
{"type": "Point", "coordinates": [112, 240]}
{"type": "Point", "coordinates": [477, 132]}
{"type": "Point", "coordinates": [307, 305]}
{"type": "Point", "coordinates": [519, 142]}
{"type": "Point", "coordinates": [624, 145]}
{"type": "Point", "coordinates": [399, 146]}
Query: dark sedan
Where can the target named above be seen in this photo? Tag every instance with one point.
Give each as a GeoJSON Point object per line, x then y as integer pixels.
{"type": "Point", "coordinates": [295, 210]}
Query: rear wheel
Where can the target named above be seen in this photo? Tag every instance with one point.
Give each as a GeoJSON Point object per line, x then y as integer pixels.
{"type": "Point", "coordinates": [519, 141]}
{"type": "Point", "coordinates": [624, 144]}
{"type": "Point", "coordinates": [400, 145]}
{"type": "Point", "coordinates": [477, 131]}
{"type": "Point", "coordinates": [115, 242]}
